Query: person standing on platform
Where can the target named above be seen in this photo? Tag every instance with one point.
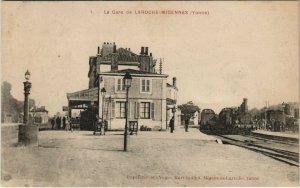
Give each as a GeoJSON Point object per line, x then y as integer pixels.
{"type": "Point", "coordinates": [171, 124]}
{"type": "Point", "coordinates": [64, 122]}
{"type": "Point", "coordinates": [57, 122]}
{"type": "Point", "coordinates": [186, 124]}
{"type": "Point", "coordinates": [53, 122]}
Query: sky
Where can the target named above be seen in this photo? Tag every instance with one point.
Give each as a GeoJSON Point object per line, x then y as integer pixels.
{"type": "Point", "coordinates": [240, 50]}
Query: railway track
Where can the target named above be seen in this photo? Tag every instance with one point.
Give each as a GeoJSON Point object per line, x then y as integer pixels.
{"type": "Point", "coordinates": [275, 149]}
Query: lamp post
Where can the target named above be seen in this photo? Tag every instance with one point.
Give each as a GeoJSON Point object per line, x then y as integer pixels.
{"type": "Point", "coordinates": [28, 134]}
{"type": "Point", "coordinates": [127, 83]}
{"type": "Point", "coordinates": [27, 87]}
{"type": "Point", "coordinates": [103, 92]}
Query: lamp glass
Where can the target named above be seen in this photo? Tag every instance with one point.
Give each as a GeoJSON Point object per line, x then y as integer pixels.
{"type": "Point", "coordinates": [27, 75]}
{"type": "Point", "coordinates": [103, 91]}
{"type": "Point", "coordinates": [127, 80]}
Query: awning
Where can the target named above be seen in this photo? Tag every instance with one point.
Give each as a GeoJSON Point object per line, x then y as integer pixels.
{"type": "Point", "coordinates": [82, 99]}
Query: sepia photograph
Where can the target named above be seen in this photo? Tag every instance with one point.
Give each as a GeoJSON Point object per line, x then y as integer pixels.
{"type": "Point", "coordinates": [150, 94]}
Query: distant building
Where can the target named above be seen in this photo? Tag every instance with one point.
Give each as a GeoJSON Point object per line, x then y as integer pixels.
{"type": "Point", "coordinates": [7, 117]}
{"type": "Point", "coordinates": [152, 101]}
{"type": "Point", "coordinates": [171, 98]}
{"type": "Point", "coordinates": [39, 115]}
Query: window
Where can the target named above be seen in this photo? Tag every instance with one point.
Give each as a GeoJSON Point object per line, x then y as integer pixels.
{"type": "Point", "coordinates": [120, 85]}
{"type": "Point", "coordinates": [145, 110]}
{"type": "Point", "coordinates": [120, 109]}
{"type": "Point", "coordinates": [145, 85]}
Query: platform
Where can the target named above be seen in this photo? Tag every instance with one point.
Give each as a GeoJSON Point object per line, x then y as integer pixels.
{"type": "Point", "coordinates": [277, 135]}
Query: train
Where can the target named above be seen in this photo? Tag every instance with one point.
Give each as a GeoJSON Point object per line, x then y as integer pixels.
{"type": "Point", "coordinates": [229, 120]}
{"type": "Point", "coordinates": [236, 121]}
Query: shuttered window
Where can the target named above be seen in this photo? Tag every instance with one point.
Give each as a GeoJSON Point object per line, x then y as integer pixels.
{"type": "Point", "coordinates": [112, 109]}
{"type": "Point", "coordinates": [145, 85]}
{"type": "Point", "coordinates": [120, 109]}
{"type": "Point", "coordinates": [152, 111]}
{"type": "Point", "coordinates": [136, 110]}
{"type": "Point", "coordinates": [145, 110]}
{"type": "Point", "coordinates": [120, 85]}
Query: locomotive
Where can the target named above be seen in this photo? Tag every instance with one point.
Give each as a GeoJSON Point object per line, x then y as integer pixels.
{"type": "Point", "coordinates": [208, 120]}
{"type": "Point", "coordinates": [228, 120]}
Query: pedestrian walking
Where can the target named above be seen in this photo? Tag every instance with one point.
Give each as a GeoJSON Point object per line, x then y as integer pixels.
{"type": "Point", "coordinates": [57, 122]}
{"type": "Point", "coordinates": [64, 122]}
{"type": "Point", "coordinates": [171, 124]}
{"type": "Point", "coordinates": [53, 122]}
{"type": "Point", "coordinates": [186, 124]}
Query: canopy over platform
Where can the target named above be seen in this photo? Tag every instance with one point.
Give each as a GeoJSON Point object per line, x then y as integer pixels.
{"type": "Point", "coordinates": [83, 99]}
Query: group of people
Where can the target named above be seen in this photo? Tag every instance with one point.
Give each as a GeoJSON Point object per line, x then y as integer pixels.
{"type": "Point", "coordinates": [172, 125]}
{"type": "Point", "coordinates": [100, 126]}
{"type": "Point", "coordinates": [61, 123]}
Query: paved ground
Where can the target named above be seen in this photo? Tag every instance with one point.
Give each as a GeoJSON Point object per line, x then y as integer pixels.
{"type": "Point", "coordinates": [153, 159]}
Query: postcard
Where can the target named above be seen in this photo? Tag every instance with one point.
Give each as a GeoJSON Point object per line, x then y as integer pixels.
{"type": "Point", "coordinates": [150, 94]}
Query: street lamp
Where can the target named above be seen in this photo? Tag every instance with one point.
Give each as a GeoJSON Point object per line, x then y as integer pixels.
{"type": "Point", "coordinates": [127, 83]}
{"type": "Point", "coordinates": [27, 87]}
{"type": "Point", "coordinates": [27, 75]}
{"type": "Point", "coordinates": [103, 92]}
{"type": "Point", "coordinates": [28, 134]}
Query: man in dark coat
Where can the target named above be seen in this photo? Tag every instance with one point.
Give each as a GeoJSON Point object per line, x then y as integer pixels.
{"type": "Point", "coordinates": [57, 122]}
{"type": "Point", "coordinates": [64, 122]}
{"type": "Point", "coordinates": [53, 122]}
{"type": "Point", "coordinates": [171, 124]}
{"type": "Point", "coordinates": [186, 124]}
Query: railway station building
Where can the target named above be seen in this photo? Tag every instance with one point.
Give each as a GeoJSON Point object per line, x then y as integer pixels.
{"type": "Point", "coordinates": [152, 101]}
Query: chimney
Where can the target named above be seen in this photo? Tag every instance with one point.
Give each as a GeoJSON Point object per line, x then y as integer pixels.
{"type": "Point", "coordinates": [245, 101]}
{"type": "Point", "coordinates": [142, 50]}
{"type": "Point", "coordinates": [174, 82]}
{"type": "Point", "coordinates": [151, 54]}
{"type": "Point", "coordinates": [98, 49]}
{"type": "Point", "coordinates": [146, 51]}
